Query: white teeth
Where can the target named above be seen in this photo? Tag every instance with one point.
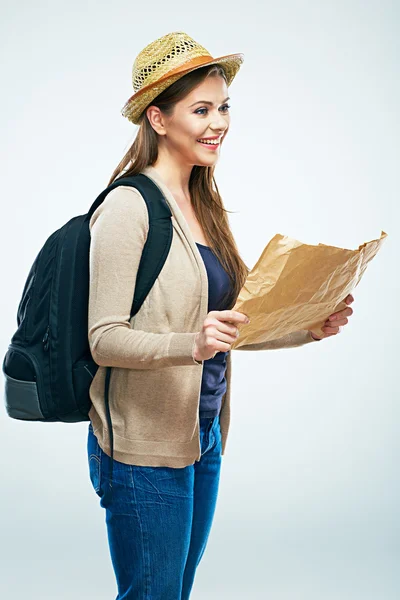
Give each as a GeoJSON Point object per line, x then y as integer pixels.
{"type": "Point", "coordinates": [213, 142]}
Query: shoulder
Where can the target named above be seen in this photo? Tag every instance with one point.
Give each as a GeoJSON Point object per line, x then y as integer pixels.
{"type": "Point", "coordinates": [123, 205]}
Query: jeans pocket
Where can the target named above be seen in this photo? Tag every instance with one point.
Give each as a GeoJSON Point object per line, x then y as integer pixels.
{"type": "Point", "coordinates": [95, 472]}
{"type": "Point", "coordinates": [94, 453]}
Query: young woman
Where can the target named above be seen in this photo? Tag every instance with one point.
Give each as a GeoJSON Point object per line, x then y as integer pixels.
{"type": "Point", "coordinates": [170, 384]}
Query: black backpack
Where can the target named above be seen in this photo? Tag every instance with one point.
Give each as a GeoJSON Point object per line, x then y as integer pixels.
{"type": "Point", "coordinates": [48, 367]}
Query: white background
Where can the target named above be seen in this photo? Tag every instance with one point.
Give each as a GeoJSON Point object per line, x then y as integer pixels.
{"type": "Point", "coordinates": [309, 497]}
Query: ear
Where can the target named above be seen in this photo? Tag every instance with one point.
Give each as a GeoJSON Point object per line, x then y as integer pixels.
{"type": "Point", "coordinates": [156, 119]}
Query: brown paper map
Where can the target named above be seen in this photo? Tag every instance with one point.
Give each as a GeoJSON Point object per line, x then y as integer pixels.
{"type": "Point", "coordinates": [297, 286]}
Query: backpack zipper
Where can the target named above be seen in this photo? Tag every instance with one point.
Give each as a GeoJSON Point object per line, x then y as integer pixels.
{"type": "Point", "coordinates": [45, 340]}
{"type": "Point", "coordinates": [46, 344]}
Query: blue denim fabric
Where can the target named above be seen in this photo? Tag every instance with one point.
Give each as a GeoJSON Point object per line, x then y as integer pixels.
{"type": "Point", "coordinates": [159, 518]}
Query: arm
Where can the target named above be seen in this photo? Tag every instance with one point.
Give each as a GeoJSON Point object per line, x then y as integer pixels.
{"type": "Point", "coordinates": [118, 230]}
{"type": "Point", "coordinates": [291, 340]}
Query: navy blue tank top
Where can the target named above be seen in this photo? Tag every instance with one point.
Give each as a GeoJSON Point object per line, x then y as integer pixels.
{"type": "Point", "coordinates": [213, 385]}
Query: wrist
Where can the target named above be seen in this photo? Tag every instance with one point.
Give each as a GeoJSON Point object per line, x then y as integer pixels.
{"type": "Point", "coordinates": [195, 357]}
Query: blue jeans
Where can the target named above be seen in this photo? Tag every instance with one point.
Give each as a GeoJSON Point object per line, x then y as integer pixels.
{"type": "Point", "coordinates": [159, 518]}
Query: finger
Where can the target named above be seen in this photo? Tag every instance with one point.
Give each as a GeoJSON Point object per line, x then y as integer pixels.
{"type": "Point", "coordinates": [337, 322]}
{"type": "Point", "coordinates": [225, 327]}
{"type": "Point", "coordinates": [327, 329]}
{"type": "Point", "coordinates": [349, 299]}
{"type": "Point", "coordinates": [232, 315]}
{"type": "Point", "coordinates": [346, 312]}
{"type": "Point", "coordinates": [222, 347]}
{"type": "Point", "coordinates": [224, 337]}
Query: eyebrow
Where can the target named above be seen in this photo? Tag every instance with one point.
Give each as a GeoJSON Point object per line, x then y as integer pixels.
{"type": "Point", "coordinates": [206, 102]}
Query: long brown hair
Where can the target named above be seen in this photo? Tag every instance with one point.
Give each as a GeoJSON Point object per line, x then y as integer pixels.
{"type": "Point", "coordinates": [205, 197]}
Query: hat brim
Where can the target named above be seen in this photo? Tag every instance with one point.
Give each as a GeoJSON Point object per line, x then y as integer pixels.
{"type": "Point", "coordinates": [136, 104]}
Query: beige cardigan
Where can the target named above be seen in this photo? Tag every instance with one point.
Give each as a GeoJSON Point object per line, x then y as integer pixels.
{"type": "Point", "coordinates": [155, 383]}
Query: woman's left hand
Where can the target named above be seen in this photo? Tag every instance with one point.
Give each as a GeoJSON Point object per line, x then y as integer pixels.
{"type": "Point", "coordinates": [336, 320]}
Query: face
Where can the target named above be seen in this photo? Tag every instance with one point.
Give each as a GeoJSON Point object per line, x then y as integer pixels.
{"type": "Point", "coordinates": [204, 113]}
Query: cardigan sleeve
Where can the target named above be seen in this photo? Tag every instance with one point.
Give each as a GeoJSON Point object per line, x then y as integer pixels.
{"type": "Point", "coordinates": [118, 230]}
{"type": "Point", "coordinates": [291, 340]}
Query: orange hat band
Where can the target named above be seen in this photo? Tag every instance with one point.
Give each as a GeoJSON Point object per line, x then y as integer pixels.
{"type": "Point", "coordinates": [195, 62]}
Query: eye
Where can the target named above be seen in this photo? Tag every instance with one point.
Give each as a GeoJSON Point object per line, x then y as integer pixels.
{"type": "Point", "coordinates": [225, 106]}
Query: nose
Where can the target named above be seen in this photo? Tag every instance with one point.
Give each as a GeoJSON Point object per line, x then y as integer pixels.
{"type": "Point", "coordinates": [218, 124]}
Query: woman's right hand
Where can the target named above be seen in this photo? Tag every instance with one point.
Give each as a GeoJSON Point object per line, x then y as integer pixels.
{"type": "Point", "coordinates": [217, 334]}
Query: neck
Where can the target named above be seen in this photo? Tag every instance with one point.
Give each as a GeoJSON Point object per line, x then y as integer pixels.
{"type": "Point", "coordinates": [175, 173]}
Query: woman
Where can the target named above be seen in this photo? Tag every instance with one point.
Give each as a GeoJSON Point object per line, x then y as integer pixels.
{"type": "Point", "coordinates": [170, 384]}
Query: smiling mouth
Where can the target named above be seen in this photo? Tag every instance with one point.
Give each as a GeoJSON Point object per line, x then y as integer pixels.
{"type": "Point", "coordinates": [209, 144]}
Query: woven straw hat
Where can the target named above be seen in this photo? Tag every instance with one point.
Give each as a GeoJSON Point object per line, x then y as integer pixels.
{"type": "Point", "coordinates": [163, 62]}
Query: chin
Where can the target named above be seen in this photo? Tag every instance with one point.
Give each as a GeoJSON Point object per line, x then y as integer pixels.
{"type": "Point", "coordinates": [207, 163]}
{"type": "Point", "coordinates": [204, 164]}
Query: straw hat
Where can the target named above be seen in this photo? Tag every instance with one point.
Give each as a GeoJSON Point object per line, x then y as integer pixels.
{"type": "Point", "coordinates": [163, 62]}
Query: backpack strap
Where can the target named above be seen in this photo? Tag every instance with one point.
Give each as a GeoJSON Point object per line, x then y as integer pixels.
{"type": "Point", "coordinates": [159, 237]}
